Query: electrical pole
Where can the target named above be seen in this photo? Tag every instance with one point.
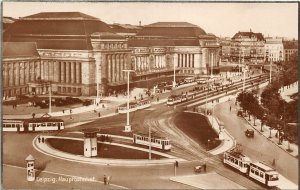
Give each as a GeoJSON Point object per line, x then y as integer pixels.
{"type": "Point", "coordinates": [127, 126]}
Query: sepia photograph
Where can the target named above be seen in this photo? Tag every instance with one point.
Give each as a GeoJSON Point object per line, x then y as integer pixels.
{"type": "Point", "coordinates": [149, 95]}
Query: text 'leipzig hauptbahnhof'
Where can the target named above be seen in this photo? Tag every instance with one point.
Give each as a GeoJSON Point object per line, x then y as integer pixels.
{"type": "Point", "coordinates": [72, 50]}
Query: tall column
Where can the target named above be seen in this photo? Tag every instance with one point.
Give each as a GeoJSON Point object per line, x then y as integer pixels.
{"type": "Point", "coordinates": [67, 72]}
{"type": "Point", "coordinates": [17, 76]}
{"type": "Point", "coordinates": [108, 58]}
{"type": "Point", "coordinates": [72, 72]}
{"type": "Point", "coordinates": [11, 74]}
{"type": "Point", "coordinates": [184, 60]}
{"type": "Point", "coordinates": [42, 70]}
{"type": "Point", "coordinates": [113, 77]}
{"type": "Point", "coordinates": [38, 69]}
{"type": "Point", "coordinates": [77, 72]}
{"type": "Point", "coordinates": [4, 74]}
{"type": "Point", "coordinates": [26, 72]}
{"type": "Point", "coordinates": [117, 73]}
{"type": "Point", "coordinates": [121, 67]}
{"type": "Point", "coordinates": [63, 72]}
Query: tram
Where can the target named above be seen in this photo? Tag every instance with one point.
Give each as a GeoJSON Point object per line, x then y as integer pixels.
{"type": "Point", "coordinates": [258, 171]}
{"type": "Point", "coordinates": [264, 174]}
{"type": "Point", "coordinates": [175, 99]}
{"type": "Point", "coordinates": [133, 106]}
{"type": "Point", "coordinates": [237, 160]}
{"type": "Point", "coordinates": [156, 142]}
{"type": "Point", "coordinates": [31, 125]}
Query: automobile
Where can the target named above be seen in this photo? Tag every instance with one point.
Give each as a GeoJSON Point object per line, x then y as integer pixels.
{"type": "Point", "coordinates": [197, 169]}
{"type": "Point", "coordinates": [240, 113]}
{"type": "Point", "coordinates": [249, 133]}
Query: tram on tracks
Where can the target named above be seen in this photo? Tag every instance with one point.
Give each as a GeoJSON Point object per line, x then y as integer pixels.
{"type": "Point", "coordinates": [32, 125]}
{"type": "Point", "coordinates": [156, 142]}
{"type": "Point", "coordinates": [256, 170]}
{"type": "Point", "coordinates": [133, 106]}
{"type": "Point", "coordinates": [175, 99]}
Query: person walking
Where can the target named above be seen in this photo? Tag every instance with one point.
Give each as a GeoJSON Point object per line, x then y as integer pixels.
{"type": "Point", "coordinates": [230, 108]}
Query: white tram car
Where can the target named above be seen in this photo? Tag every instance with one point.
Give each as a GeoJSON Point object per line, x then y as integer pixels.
{"type": "Point", "coordinates": [258, 171]}
{"type": "Point", "coordinates": [34, 124]}
{"type": "Point", "coordinates": [156, 142]}
{"type": "Point", "coordinates": [237, 161]}
{"type": "Point", "coordinates": [133, 106]}
{"type": "Point", "coordinates": [175, 99]}
{"type": "Point", "coordinates": [264, 174]}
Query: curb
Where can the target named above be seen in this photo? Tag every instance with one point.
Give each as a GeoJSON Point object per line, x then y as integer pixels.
{"type": "Point", "coordinates": [268, 138]}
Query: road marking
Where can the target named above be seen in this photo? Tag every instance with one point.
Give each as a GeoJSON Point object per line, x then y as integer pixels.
{"type": "Point", "coordinates": [73, 176]}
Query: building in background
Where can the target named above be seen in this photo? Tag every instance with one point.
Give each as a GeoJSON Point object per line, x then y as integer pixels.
{"type": "Point", "coordinates": [274, 49]}
{"type": "Point", "coordinates": [160, 46]}
{"type": "Point", "coordinates": [290, 49]}
{"type": "Point", "coordinates": [225, 44]}
{"type": "Point", "coordinates": [248, 47]}
{"type": "Point", "coordinates": [74, 52]}
{"type": "Point", "coordinates": [18, 68]}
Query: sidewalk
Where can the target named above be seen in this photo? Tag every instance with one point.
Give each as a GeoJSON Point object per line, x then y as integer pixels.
{"type": "Point", "coordinates": [290, 148]}
{"type": "Point", "coordinates": [287, 91]}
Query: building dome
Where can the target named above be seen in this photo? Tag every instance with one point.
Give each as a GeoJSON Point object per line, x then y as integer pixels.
{"type": "Point", "coordinates": [171, 30]}
{"type": "Point", "coordinates": [57, 29]}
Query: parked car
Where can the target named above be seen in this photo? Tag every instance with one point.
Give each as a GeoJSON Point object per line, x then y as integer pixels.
{"type": "Point", "coordinates": [249, 133]}
{"type": "Point", "coordinates": [197, 169]}
{"type": "Point", "coordinates": [240, 113]}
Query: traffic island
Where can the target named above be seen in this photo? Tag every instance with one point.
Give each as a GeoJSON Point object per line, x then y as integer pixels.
{"type": "Point", "coordinates": [108, 153]}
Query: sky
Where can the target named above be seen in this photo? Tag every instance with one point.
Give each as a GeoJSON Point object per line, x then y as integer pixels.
{"type": "Point", "coordinates": [221, 19]}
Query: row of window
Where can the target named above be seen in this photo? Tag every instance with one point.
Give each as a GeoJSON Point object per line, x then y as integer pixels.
{"type": "Point", "coordinates": [12, 125]}
{"type": "Point", "coordinates": [257, 172]}
{"type": "Point", "coordinates": [158, 141]}
{"type": "Point", "coordinates": [68, 90]}
{"type": "Point", "coordinates": [45, 124]}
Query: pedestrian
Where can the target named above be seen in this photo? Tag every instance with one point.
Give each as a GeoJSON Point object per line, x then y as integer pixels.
{"type": "Point", "coordinates": [157, 99]}
{"type": "Point", "coordinates": [230, 108]}
{"type": "Point", "coordinates": [99, 115]}
{"type": "Point", "coordinates": [39, 139]}
{"type": "Point", "coordinates": [204, 167]}
{"type": "Point", "coordinates": [43, 140]}
{"type": "Point", "coordinates": [63, 111]}
{"type": "Point", "coordinates": [105, 180]}
{"type": "Point", "coordinates": [70, 110]}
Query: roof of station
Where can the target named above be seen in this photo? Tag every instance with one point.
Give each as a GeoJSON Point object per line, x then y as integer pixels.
{"type": "Point", "coordinates": [19, 49]}
{"type": "Point", "coordinates": [70, 30]}
{"type": "Point", "coordinates": [171, 30]}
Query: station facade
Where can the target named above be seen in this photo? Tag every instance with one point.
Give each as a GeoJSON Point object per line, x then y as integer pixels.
{"type": "Point", "coordinates": [72, 52]}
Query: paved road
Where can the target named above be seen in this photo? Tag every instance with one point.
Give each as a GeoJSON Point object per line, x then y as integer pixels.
{"type": "Point", "coordinates": [257, 148]}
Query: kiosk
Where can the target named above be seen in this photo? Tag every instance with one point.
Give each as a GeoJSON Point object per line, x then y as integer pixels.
{"type": "Point", "coordinates": [90, 142]}
{"type": "Point", "coordinates": [30, 168]}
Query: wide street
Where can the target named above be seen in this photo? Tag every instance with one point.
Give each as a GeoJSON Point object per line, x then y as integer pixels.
{"type": "Point", "coordinates": [161, 119]}
{"type": "Point", "coordinates": [258, 148]}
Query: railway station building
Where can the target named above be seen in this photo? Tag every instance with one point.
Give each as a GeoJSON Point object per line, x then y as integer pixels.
{"type": "Point", "coordinates": [72, 52]}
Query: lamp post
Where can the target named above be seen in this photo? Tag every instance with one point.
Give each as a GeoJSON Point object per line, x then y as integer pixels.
{"type": "Point", "coordinates": [50, 97]}
{"type": "Point", "coordinates": [149, 140]}
{"type": "Point", "coordinates": [127, 126]}
{"type": "Point", "coordinates": [206, 97]}
{"type": "Point", "coordinates": [271, 69]}
{"type": "Point", "coordinates": [211, 60]}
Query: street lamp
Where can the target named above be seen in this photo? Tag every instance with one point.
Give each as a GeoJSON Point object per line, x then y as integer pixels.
{"type": "Point", "coordinates": [127, 126]}
{"type": "Point", "coordinates": [149, 140]}
{"type": "Point", "coordinates": [211, 60]}
{"type": "Point", "coordinates": [271, 70]}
